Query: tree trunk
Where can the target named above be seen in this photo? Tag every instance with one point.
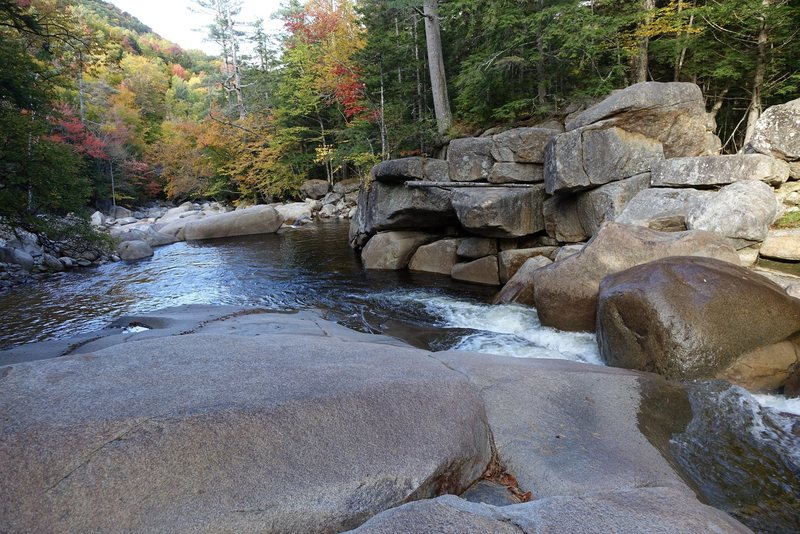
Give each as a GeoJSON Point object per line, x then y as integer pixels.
{"type": "Point", "coordinates": [758, 77]}
{"type": "Point", "coordinates": [237, 76]}
{"type": "Point", "coordinates": [681, 55]}
{"type": "Point", "coordinates": [642, 65]}
{"type": "Point", "coordinates": [433, 39]}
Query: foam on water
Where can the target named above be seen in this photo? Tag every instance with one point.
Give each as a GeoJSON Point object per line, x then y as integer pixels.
{"type": "Point", "coordinates": [505, 330]}
{"type": "Point", "coordinates": [779, 403]}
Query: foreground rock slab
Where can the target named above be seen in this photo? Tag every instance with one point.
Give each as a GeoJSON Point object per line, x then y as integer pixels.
{"type": "Point", "coordinates": [212, 433]}
{"type": "Point", "coordinates": [690, 318]}
{"type": "Point", "coordinates": [624, 512]}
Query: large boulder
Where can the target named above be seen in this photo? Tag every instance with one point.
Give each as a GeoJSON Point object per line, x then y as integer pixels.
{"type": "Point", "coordinates": [437, 258]}
{"type": "Point", "coordinates": [118, 212]}
{"type": "Point", "coordinates": [134, 250]}
{"type": "Point", "coordinates": [470, 159]}
{"type": "Point", "coordinates": [398, 171]}
{"type": "Point", "coordinates": [477, 247]}
{"type": "Point", "coordinates": [16, 256]}
{"type": "Point", "coordinates": [590, 156]}
{"type": "Point", "coordinates": [663, 208]}
{"type": "Point", "coordinates": [295, 212]}
{"type": "Point", "coordinates": [177, 227]}
{"type": "Point", "coordinates": [623, 512]}
{"type": "Point", "coordinates": [741, 212]}
{"type": "Point", "coordinates": [178, 212]}
{"type": "Point", "coordinates": [391, 251]}
{"type": "Point", "coordinates": [345, 187]}
{"type": "Point", "coordinates": [607, 202]}
{"type": "Point", "coordinates": [249, 221]}
{"type": "Point", "coordinates": [483, 271]}
{"type": "Point", "coordinates": [315, 189]}
{"type": "Point", "coordinates": [388, 207]}
{"type": "Point", "coordinates": [561, 219]}
{"type": "Point", "coordinates": [566, 292]}
{"type": "Point", "coordinates": [777, 132]}
{"type": "Point", "coordinates": [500, 211]}
{"type": "Point", "coordinates": [707, 171]}
{"type": "Point", "coordinates": [521, 145]}
{"type": "Point", "coordinates": [97, 219]}
{"type": "Point", "coordinates": [144, 232]}
{"type": "Point", "coordinates": [690, 318]}
{"type": "Point", "coordinates": [672, 113]}
{"type": "Point", "coordinates": [311, 432]}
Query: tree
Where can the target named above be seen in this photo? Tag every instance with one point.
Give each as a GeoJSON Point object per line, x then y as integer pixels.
{"type": "Point", "coordinates": [441, 100]}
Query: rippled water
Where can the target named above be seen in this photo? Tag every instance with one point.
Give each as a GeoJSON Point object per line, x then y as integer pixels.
{"type": "Point", "coordinates": [307, 267]}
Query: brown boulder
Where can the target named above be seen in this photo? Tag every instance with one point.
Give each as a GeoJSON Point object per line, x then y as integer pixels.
{"type": "Point", "coordinates": [438, 257]}
{"type": "Point", "coordinates": [690, 318]}
{"type": "Point", "coordinates": [483, 271]}
{"type": "Point", "coordinates": [566, 292]}
{"type": "Point", "coordinates": [519, 289]}
{"type": "Point", "coordinates": [391, 251]}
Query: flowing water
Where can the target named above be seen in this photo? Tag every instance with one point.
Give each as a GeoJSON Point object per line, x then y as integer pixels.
{"type": "Point", "coordinates": [754, 471]}
{"type": "Point", "coordinates": [306, 267]}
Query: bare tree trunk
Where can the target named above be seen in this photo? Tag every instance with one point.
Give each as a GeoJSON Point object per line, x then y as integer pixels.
{"type": "Point", "coordinates": [433, 38]}
{"type": "Point", "coordinates": [754, 111]}
{"type": "Point", "coordinates": [237, 75]}
{"type": "Point", "coordinates": [644, 44]}
{"type": "Point", "coordinates": [384, 141]}
{"type": "Point", "coordinates": [81, 90]}
{"type": "Point", "coordinates": [681, 56]}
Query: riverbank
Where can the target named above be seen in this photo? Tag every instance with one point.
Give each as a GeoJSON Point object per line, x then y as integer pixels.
{"type": "Point", "coordinates": [161, 407]}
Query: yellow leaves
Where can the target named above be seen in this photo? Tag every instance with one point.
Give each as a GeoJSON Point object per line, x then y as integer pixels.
{"type": "Point", "coordinates": [323, 154]}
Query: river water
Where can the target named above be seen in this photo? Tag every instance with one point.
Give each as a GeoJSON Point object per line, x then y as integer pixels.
{"type": "Point", "coordinates": [307, 267]}
{"type": "Point", "coordinates": [757, 451]}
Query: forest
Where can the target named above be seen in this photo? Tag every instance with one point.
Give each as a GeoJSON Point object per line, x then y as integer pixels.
{"type": "Point", "coordinates": [94, 107]}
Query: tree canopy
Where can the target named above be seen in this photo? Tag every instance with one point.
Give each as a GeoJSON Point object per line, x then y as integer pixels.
{"type": "Point", "coordinates": [90, 98]}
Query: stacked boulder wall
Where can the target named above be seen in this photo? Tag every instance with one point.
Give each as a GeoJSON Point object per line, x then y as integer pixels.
{"type": "Point", "coordinates": [592, 156]}
{"type": "Point", "coordinates": [317, 435]}
{"type": "Point", "coordinates": [391, 251]}
{"type": "Point", "coordinates": [777, 132]}
{"type": "Point", "coordinates": [384, 206]}
{"type": "Point", "coordinates": [623, 512]}
{"type": "Point", "coordinates": [500, 211]}
{"type": "Point", "coordinates": [689, 318]}
{"type": "Point", "coordinates": [250, 221]}
{"type": "Point", "coordinates": [710, 171]}
{"type": "Point", "coordinates": [565, 293]}
{"type": "Point", "coordinates": [672, 113]}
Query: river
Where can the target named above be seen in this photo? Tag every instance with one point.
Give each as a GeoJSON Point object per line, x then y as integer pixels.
{"type": "Point", "coordinates": [756, 448]}
{"type": "Point", "coordinates": [300, 268]}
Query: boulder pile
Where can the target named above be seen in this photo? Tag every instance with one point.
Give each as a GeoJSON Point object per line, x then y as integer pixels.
{"type": "Point", "coordinates": [645, 156]}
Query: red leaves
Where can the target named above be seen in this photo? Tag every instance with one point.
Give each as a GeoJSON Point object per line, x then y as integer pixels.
{"type": "Point", "coordinates": [68, 129]}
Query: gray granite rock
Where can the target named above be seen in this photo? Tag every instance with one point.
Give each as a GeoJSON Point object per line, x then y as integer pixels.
{"type": "Point", "coordinates": [706, 171]}
{"type": "Point", "coordinates": [500, 212]}
{"type": "Point", "coordinates": [566, 292]}
{"type": "Point", "coordinates": [509, 173]}
{"type": "Point", "coordinates": [589, 157]}
{"type": "Point", "coordinates": [317, 434]}
{"type": "Point", "coordinates": [134, 250]}
{"type": "Point", "coordinates": [483, 271]}
{"type": "Point", "coordinates": [470, 159]}
{"type": "Point", "coordinates": [522, 145]}
{"type": "Point", "coordinates": [438, 257]}
{"type": "Point", "coordinates": [607, 202]}
{"type": "Point", "coordinates": [477, 247]}
{"type": "Point", "coordinates": [672, 113]}
{"type": "Point", "coordinates": [250, 221]}
{"type": "Point", "coordinates": [777, 132]}
{"type": "Point", "coordinates": [391, 251]}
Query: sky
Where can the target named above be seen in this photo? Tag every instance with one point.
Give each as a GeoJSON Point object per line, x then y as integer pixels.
{"type": "Point", "coordinates": [173, 20]}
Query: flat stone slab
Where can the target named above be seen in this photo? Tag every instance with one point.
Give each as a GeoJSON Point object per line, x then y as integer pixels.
{"type": "Point", "coordinates": [708, 171]}
{"type": "Point", "coordinates": [625, 512]}
{"type": "Point", "coordinates": [782, 245]}
{"type": "Point", "coordinates": [236, 433]}
{"type": "Point", "coordinates": [582, 437]}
